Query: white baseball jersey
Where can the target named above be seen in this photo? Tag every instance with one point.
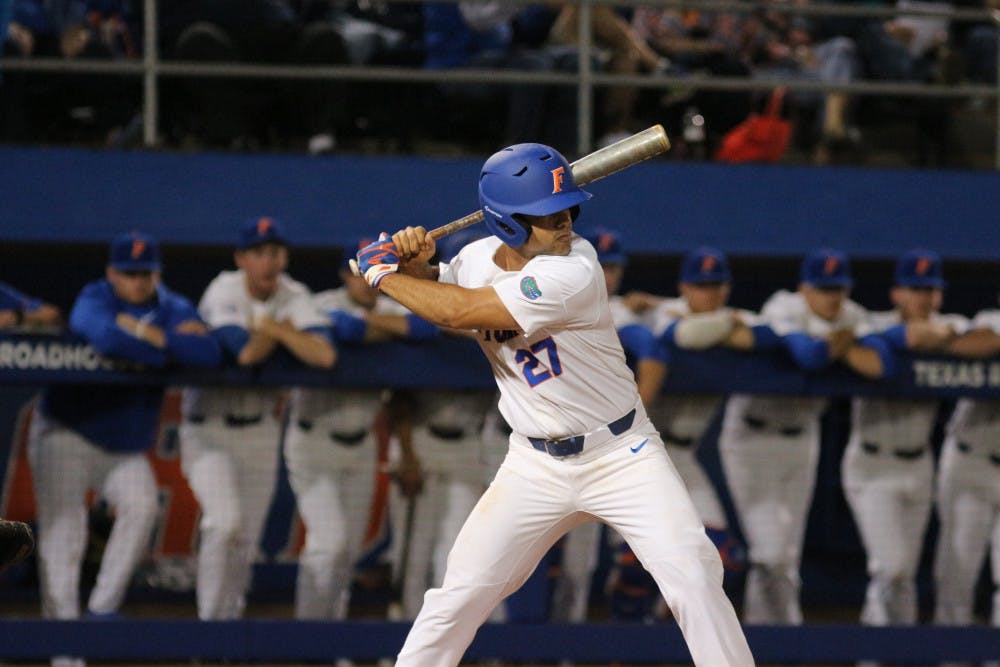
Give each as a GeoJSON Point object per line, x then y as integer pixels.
{"type": "Point", "coordinates": [342, 410]}
{"type": "Point", "coordinates": [568, 291]}
{"type": "Point", "coordinates": [226, 302]}
{"type": "Point", "coordinates": [977, 423]}
{"type": "Point", "coordinates": [896, 420]}
{"type": "Point", "coordinates": [786, 313]}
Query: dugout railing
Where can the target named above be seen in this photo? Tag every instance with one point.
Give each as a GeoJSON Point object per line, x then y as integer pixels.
{"type": "Point", "coordinates": [152, 68]}
{"type": "Point", "coordinates": [38, 360]}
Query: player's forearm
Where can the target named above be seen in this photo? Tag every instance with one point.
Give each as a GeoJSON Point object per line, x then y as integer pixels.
{"type": "Point", "coordinates": [649, 377]}
{"type": "Point", "coordinates": [979, 343]}
{"type": "Point", "coordinates": [864, 361]}
{"type": "Point", "coordinates": [258, 348]}
{"type": "Point", "coordinates": [309, 348]}
{"type": "Point", "coordinates": [449, 305]}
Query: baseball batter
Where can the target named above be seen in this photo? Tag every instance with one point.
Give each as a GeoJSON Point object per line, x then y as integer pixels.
{"type": "Point", "coordinates": [330, 451]}
{"type": "Point", "coordinates": [582, 448]}
{"type": "Point", "coordinates": [230, 436]}
{"type": "Point", "coordinates": [968, 496]}
{"type": "Point", "coordinates": [84, 438]}
{"type": "Point", "coordinates": [888, 468]}
{"type": "Point", "coordinates": [769, 445]}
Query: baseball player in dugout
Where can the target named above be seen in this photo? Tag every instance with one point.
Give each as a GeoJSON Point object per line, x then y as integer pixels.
{"type": "Point", "coordinates": [230, 435]}
{"type": "Point", "coordinates": [84, 439]}
{"type": "Point", "coordinates": [699, 319]}
{"type": "Point", "coordinates": [769, 445]}
{"type": "Point", "coordinates": [888, 467]}
{"type": "Point", "coordinates": [19, 311]}
{"type": "Point", "coordinates": [968, 495]}
{"type": "Point", "coordinates": [445, 426]}
{"type": "Point", "coordinates": [581, 448]}
{"type": "Point", "coordinates": [330, 448]}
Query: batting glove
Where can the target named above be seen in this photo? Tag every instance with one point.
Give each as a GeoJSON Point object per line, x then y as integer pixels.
{"type": "Point", "coordinates": [376, 260]}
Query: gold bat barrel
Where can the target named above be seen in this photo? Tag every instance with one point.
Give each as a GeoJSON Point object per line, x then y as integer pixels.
{"type": "Point", "coordinates": [592, 167]}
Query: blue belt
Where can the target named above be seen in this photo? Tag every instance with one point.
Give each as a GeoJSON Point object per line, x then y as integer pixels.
{"type": "Point", "coordinates": [574, 444]}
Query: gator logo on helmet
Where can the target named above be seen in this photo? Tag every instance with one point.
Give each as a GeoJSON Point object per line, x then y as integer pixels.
{"type": "Point", "coordinates": [529, 288]}
{"type": "Point", "coordinates": [557, 179]}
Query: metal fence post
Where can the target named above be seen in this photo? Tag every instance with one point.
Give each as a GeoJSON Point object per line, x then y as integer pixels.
{"type": "Point", "coordinates": [585, 88]}
{"type": "Point", "coordinates": [150, 91]}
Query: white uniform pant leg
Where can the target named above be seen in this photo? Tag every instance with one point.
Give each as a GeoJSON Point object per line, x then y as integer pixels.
{"type": "Point", "coordinates": [130, 489]}
{"type": "Point", "coordinates": [519, 517]}
{"type": "Point", "coordinates": [430, 506]}
{"type": "Point", "coordinates": [61, 464]}
{"type": "Point", "coordinates": [771, 479]}
{"type": "Point", "coordinates": [232, 474]}
{"type": "Point", "coordinates": [967, 516]}
{"type": "Point", "coordinates": [890, 499]}
{"type": "Point", "coordinates": [334, 502]}
{"type": "Point", "coordinates": [642, 496]}
{"type": "Point", "coordinates": [699, 486]}
{"type": "Point", "coordinates": [571, 596]}
{"type": "Point", "coordinates": [461, 495]}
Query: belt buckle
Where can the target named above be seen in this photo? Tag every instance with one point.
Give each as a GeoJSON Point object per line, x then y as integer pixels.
{"type": "Point", "coordinates": [551, 445]}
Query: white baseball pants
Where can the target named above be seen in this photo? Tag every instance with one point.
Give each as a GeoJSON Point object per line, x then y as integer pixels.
{"type": "Point", "coordinates": [535, 499]}
{"type": "Point", "coordinates": [968, 502]}
{"type": "Point", "coordinates": [333, 486]}
{"type": "Point", "coordinates": [64, 466]}
{"type": "Point", "coordinates": [890, 499]}
{"type": "Point", "coordinates": [232, 472]}
{"type": "Point", "coordinates": [771, 478]}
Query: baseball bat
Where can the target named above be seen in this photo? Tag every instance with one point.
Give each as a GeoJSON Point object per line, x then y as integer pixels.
{"type": "Point", "coordinates": [592, 167]}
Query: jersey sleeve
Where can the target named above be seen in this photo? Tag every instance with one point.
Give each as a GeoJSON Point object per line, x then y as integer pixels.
{"type": "Point", "coordinates": [94, 317]}
{"type": "Point", "coordinates": [781, 314]}
{"type": "Point", "coordinates": [221, 308]}
{"type": "Point", "coordinates": [13, 299]}
{"type": "Point", "coordinates": [551, 291]}
{"type": "Point", "coordinates": [190, 349]}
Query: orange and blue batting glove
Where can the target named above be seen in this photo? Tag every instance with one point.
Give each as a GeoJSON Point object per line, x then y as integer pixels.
{"type": "Point", "coordinates": [377, 260]}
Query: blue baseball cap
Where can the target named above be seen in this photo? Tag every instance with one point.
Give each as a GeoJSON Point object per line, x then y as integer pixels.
{"type": "Point", "coordinates": [608, 245]}
{"type": "Point", "coordinates": [255, 231]}
{"type": "Point", "coordinates": [919, 268]}
{"type": "Point", "coordinates": [705, 265]}
{"type": "Point", "coordinates": [135, 251]}
{"type": "Point", "coordinates": [827, 267]}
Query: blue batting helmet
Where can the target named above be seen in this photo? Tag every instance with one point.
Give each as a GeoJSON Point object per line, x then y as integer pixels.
{"type": "Point", "coordinates": [528, 179]}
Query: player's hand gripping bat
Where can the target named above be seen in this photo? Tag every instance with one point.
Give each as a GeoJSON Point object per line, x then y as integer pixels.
{"type": "Point", "coordinates": [592, 167]}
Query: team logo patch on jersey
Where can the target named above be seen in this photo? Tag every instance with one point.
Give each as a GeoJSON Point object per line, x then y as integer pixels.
{"type": "Point", "coordinates": [529, 288]}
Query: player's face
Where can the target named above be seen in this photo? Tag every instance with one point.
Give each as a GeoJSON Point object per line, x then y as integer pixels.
{"type": "Point", "coordinates": [550, 234]}
{"type": "Point", "coordinates": [916, 303]}
{"type": "Point", "coordinates": [262, 265]}
{"type": "Point", "coordinates": [613, 274]}
{"type": "Point", "coordinates": [704, 297]}
{"type": "Point", "coordinates": [824, 302]}
{"type": "Point", "coordinates": [135, 287]}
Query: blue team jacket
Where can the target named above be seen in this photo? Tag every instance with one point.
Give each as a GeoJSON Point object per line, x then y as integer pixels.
{"type": "Point", "coordinates": [124, 419]}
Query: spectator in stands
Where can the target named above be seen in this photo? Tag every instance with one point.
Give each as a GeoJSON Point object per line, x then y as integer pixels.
{"type": "Point", "coordinates": [70, 104]}
{"type": "Point", "coordinates": [769, 445]}
{"type": "Point", "coordinates": [977, 44]}
{"type": "Point", "coordinates": [968, 493]}
{"type": "Point", "coordinates": [917, 49]}
{"type": "Point", "coordinates": [248, 114]}
{"type": "Point", "coordinates": [480, 34]}
{"type": "Point", "coordinates": [627, 53]}
{"type": "Point", "coordinates": [230, 436]}
{"type": "Point", "coordinates": [696, 41]}
{"type": "Point", "coordinates": [782, 45]}
{"type": "Point", "coordinates": [84, 439]}
{"type": "Point", "coordinates": [20, 311]}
